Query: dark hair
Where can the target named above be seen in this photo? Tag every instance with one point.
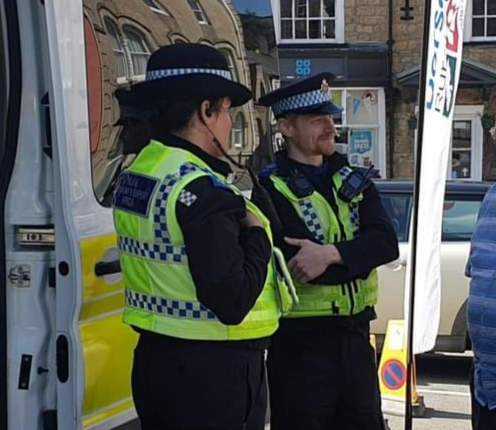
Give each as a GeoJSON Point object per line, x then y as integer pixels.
{"type": "Point", "coordinates": [141, 125]}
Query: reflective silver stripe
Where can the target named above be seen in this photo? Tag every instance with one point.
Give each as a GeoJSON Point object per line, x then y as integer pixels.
{"type": "Point", "coordinates": [169, 307]}
{"type": "Point", "coordinates": [153, 251]}
{"type": "Point", "coordinates": [299, 101]}
{"type": "Point", "coordinates": [166, 73]}
{"type": "Point", "coordinates": [311, 219]}
{"type": "Point", "coordinates": [354, 216]}
{"type": "Point", "coordinates": [159, 209]}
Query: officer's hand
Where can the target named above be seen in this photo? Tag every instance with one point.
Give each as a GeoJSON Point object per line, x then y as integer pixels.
{"type": "Point", "coordinates": [312, 259]}
{"type": "Point", "coordinates": [250, 220]}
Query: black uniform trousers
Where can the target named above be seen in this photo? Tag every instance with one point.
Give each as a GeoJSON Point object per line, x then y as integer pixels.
{"type": "Point", "coordinates": [482, 417]}
{"type": "Point", "coordinates": [182, 385]}
{"type": "Point", "coordinates": [323, 378]}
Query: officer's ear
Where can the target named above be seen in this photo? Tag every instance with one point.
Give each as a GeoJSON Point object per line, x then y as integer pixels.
{"type": "Point", "coordinates": [285, 126]}
{"type": "Point", "coordinates": [206, 111]}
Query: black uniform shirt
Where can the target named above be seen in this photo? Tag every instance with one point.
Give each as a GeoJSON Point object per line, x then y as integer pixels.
{"type": "Point", "coordinates": [228, 264]}
{"type": "Point", "coordinates": [376, 243]}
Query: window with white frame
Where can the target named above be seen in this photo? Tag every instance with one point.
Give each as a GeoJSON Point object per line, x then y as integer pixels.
{"type": "Point", "coordinates": [230, 63]}
{"type": "Point", "coordinates": [361, 126]}
{"type": "Point", "coordinates": [311, 21]}
{"type": "Point", "coordinates": [465, 155]}
{"type": "Point", "coordinates": [138, 52]}
{"type": "Point", "coordinates": [156, 7]}
{"type": "Point", "coordinates": [465, 160]}
{"type": "Point", "coordinates": [480, 23]}
{"type": "Point", "coordinates": [178, 39]}
{"type": "Point", "coordinates": [238, 131]}
{"type": "Point", "coordinates": [200, 14]}
{"type": "Point", "coordinates": [121, 67]}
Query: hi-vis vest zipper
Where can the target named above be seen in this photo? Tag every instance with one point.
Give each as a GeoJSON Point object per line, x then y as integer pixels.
{"type": "Point", "coordinates": [330, 225]}
{"type": "Point", "coordinates": [160, 292]}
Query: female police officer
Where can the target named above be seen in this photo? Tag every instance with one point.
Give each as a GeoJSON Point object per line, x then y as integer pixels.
{"type": "Point", "coordinates": [196, 257]}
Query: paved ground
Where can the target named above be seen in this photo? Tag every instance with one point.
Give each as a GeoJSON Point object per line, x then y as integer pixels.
{"type": "Point", "coordinates": [443, 381]}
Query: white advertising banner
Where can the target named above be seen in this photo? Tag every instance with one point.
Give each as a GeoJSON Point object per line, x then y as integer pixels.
{"type": "Point", "coordinates": [443, 73]}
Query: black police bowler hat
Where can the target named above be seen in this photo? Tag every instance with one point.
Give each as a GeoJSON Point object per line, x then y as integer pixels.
{"type": "Point", "coordinates": [309, 96]}
{"type": "Point", "coordinates": [187, 71]}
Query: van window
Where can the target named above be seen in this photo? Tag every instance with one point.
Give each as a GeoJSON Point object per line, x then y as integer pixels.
{"type": "Point", "coordinates": [459, 218]}
{"type": "Point", "coordinates": [398, 206]}
{"type": "Point", "coordinates": [459, 215]}
{"type": "Point", "coordinates": [119, 39]}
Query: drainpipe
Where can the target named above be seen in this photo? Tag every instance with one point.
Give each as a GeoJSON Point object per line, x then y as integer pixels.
{"type": "Point", "coordinates": [390, 91]}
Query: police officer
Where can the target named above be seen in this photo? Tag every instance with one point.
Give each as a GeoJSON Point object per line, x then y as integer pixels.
{"type": "Point", "coordinates": [321, 367]}
{"type": "Point", "coordinates": [195, 255]}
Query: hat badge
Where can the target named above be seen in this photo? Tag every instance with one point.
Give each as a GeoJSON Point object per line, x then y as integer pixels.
{"type": "Point", "coordinates": [324, 86]}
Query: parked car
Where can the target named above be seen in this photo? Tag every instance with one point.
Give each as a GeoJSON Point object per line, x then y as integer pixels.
{"type": "Point", "coordinates": [461, 207]}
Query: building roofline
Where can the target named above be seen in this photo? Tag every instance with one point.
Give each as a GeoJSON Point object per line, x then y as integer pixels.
{"type": "Point", "coordinates": [473, 74]}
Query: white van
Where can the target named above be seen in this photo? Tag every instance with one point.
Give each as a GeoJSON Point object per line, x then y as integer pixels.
{"type": "Point", "coordinates": [65, 355]}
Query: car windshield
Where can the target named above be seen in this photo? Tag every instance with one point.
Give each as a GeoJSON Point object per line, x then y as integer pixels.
{"type": "Point", "coordinates": [459, 218]}
{"type": "Point", "coordinates": [459, 214]}
{"type": "Point", "coordinates": [398, 206]}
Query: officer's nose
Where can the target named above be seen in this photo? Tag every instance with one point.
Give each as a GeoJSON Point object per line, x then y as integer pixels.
{"type": "Point", "coordinates": [330, 127]}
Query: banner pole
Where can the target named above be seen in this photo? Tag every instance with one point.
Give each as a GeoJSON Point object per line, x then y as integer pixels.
{"type": "Point", "coordinates": [416, 194]}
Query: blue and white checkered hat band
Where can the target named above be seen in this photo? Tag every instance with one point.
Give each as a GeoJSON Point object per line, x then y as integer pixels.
{"type": "Point", "coordinates": [311, 98]}
{"type": "Point", "coordinates": [167, 73]}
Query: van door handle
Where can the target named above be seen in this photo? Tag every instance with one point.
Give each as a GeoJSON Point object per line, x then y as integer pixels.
{"type": "Point", "coordinates": [103, 268]}
{"type": "Point", "coordinates": [396, 264]}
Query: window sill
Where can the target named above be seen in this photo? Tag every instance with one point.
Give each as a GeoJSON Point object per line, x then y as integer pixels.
{"type": "Point", "coordinates": [136, 78]}
{"type": "Point", "coordinates": [310, 41]}
{"type": "Point", "coordinates": [160, 12]}
{"type": "Point", "coordinates": [480, 42]}
{"type": "Point", "coordinates": [122, 80]}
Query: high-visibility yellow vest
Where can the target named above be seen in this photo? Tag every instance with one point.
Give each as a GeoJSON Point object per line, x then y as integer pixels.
{"type": "Point", "coordinates": [160, 292]}
{"type": "Point", "coordinates": [329, 225]}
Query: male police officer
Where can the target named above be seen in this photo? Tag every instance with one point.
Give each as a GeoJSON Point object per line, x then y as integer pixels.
{"type": "Point", "coordinates": [322, 372]}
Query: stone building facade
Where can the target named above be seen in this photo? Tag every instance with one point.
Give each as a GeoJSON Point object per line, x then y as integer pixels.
{"type": "Point", "coordinates": [120, 35]}
{"type": "Point", "coordinates": [372, 46]}
{"type": "Point", "coordinates": [473, 149]}
{"type": "Point", "coordinates": [374, 49]}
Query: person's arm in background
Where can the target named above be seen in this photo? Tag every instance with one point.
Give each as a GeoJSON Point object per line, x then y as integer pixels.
{"type": "Point", "coordinates": [228, 251]}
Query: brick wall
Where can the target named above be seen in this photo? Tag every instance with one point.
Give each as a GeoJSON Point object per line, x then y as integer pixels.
{"type": "Point", "coordinates": [367, 20]}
